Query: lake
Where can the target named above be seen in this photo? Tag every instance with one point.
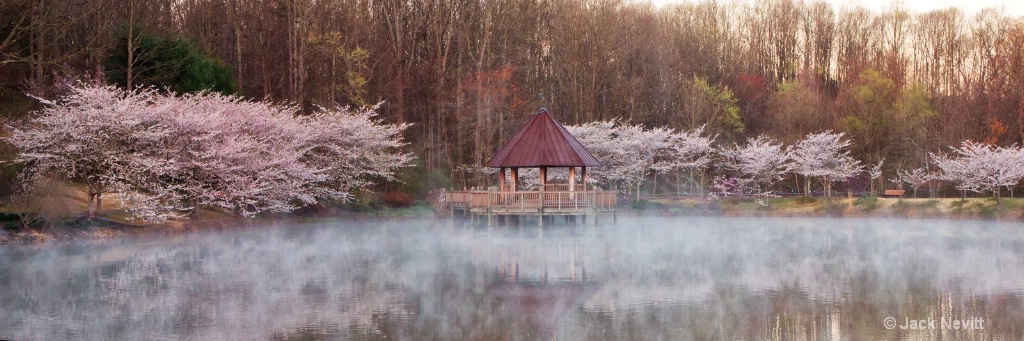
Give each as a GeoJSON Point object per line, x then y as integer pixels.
{"type": "Point", "coordinates": [642, 279]}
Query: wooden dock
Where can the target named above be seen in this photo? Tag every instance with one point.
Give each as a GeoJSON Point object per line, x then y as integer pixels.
{"type": "Point", "coordinates": [556, 199]}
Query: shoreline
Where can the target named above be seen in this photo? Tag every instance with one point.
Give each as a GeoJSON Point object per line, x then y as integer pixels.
{"type": "Point", "coordinates": [1012, 209]}
{"type": "Point", "coordinates": [105, 228]}
{"type": "Point", "coordinates": [810, 207]}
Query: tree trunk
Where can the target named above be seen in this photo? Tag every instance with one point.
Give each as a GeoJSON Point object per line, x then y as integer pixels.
{"type": "Point", "coordinates": [796, 178]}
{"type": "Point", "coordinates": [700, 186]}
{"type": "Point", "coordinates": [129, 72]}
{"type": "Point", "coordinates": [638, 190]}
{"type": "Point", "coordinates": [91, 210]}
{"type": "Point", "coordinates": [654, 184]}
{"type": "Point", "coordinates": [827, 187]}
{"type": "Point", "coordinates": [237, 23]}
{"type": "Point", "coordinates": [679, 179]}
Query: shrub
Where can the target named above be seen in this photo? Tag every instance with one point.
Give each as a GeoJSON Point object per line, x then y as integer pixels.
{"type": "Point", "coordinates": [45, 204]}
{"type": "Point", "coordinates": [398, 199]}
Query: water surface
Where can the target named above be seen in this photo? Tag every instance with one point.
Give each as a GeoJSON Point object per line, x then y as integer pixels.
{"type": "Point", "coordinates": [644, 279]}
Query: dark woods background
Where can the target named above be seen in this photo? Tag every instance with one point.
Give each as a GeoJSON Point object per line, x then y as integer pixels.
{"type": "Point", "coordinates": [467, 73]}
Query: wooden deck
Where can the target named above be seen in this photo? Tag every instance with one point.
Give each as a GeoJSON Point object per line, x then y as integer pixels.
{"type": "Point", "coordinates": [555, 200]}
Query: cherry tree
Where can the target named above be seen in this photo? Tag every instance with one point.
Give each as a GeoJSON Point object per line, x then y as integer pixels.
{"type": "Point", "coordinates": [955, 169]}
{"type": "Point", "coordinates": [916, 177]}
{"type": "Point", "coordinates": [760, 161]}
{"type": "Point", "coordinates": [164, 155]}
{"type": "Point", "coordinates": [645, 150]}
{"type": "Point", "coordinates": [875, 173]}
{"type": "Point", "coordinates": [722, 187]}
{"type": "Point", "coordinates": [599, 137]}
{"type": "Point", "coordinates": [691, 152]}
{"type": "Point", "coordinates": [627, 152]}
{"type": "Point", "coordinates": [982, 167]}
{"type": "Point", "coordinates": [825, 156]}
{"type": "Point", "coordinates": [88, 136]}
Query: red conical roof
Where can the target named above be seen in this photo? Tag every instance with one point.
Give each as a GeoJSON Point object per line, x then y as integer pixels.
{"type": "Point", "coordinates": [543, 142]}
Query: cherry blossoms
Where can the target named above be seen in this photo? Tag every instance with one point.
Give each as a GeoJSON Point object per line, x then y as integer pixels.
{"type": "Point", "coordinates": [875, 173]}
{"type": "Point", "coordinates": [916, 177]}
{"type": "Point", "coordinates": [761, 162]}
{"type": "Point", "coordinates": [691, 153]}
{"type": "Point", "coordinates": [163, 155]}
{"type": "Point", "coordinates": [980, 167]}
{"type": "Point", "coordinates": [825, 156]}
{"type": "Point", "coordinates": [631, 152]}
{"type": "Point", "coordinates": [628, 152]}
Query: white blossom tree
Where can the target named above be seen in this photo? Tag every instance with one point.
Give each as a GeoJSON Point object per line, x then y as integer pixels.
{"type": "Point", "coordinates": [825, 156]}
{"type": "Point", "coordinates": [691, 153]}
{"type": "Point", "coordinates": [875, 173]}
{"type": "Point", "coordinates": [916, 177]}
{"type": "Point", "coordinates": [955, 169]}
{"type": "Point", "coordinates": [645, 151]}
{"type": "Point", "coordinates": [599, 138]}
{"type": "Point", "coordinates": [89, 136]}
{"type": "Point", "coordinates": [628, 153]}
{"type": "Point", "coordinates": [761, 161]}
{"type": "Point", "coordinates": [981, 167]}
{"type": "Point", "coordinates": [164, 154]}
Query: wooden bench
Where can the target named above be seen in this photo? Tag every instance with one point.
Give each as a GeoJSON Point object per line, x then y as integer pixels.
{"type": "Point", "coordinates": [893, 193]}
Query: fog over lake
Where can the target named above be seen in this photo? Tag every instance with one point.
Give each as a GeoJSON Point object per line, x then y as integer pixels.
{"type": "Point", "coordinates": [644, 279]}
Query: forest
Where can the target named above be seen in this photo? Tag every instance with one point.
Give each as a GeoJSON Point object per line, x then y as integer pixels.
{"type": "Point", "coordinates": [460, 76]}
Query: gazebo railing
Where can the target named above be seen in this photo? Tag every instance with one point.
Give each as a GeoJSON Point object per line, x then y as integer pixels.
{"type": "Point", "coordinates": [562, 187]}
{"type": "Point", "coordinates": [532, 200]}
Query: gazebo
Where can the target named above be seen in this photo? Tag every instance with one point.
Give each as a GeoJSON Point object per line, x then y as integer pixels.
{"type": "Point", "coordinates": [541, 143]}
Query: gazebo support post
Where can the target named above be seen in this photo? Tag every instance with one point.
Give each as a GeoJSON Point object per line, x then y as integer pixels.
{"type": "Point", "coordinates": [515, 179]}
{"type": "Point", "coordinates": [543, 178]}
{"type": "Point", "coordinates": [540, 208]}
{"type": "Point", "coordinates": [501, 179]}
{"type": "Point", "coordinates": [572, 179]}
{"type": "Point", "coordinates": [583, 177]}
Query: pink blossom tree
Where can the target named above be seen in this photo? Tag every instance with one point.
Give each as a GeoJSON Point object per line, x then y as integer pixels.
{"type": "Point", "coordinates": [91, 135]}
{"type": "Point", "coordinates": [875, 173]}
{"type": "Point", "coordinates": [691, 154]}
{"type": "Point", "coordinates": [628, 153]}
{"type": "Point", "coordinates": [164, 155]}
{"type": "Point", "coordinates": [825, 156]}
{"type": "Point", "coordinates": [761, 162]}
{"type": "Point", "coordinates": [916, 177]}
{"type": "Point", "coordinates": [982, 167]}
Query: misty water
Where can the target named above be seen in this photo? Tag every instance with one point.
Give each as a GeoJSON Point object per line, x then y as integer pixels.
{"type": "Point", "coordinates": [643, 279]}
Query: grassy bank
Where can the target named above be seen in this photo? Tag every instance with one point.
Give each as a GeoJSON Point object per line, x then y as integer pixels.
{"type": "Point", "coordinates": [948, 208]}
{"type": "Point", "coordinates": [110, 224]}
{"type": "Point", "coordinates": [65, 218]}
